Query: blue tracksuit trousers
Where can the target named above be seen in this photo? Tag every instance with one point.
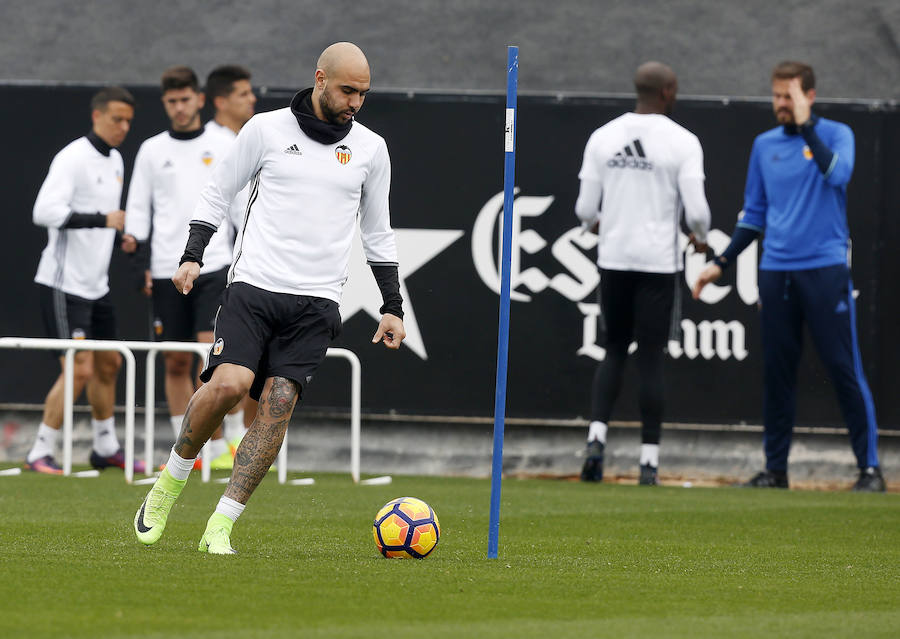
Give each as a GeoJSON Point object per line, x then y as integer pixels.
{"type": "Point", "coordinates": [823, 298]}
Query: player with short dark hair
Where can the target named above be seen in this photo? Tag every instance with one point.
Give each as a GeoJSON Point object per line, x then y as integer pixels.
{"type": "Point", "coordinates": [179, 77]}
{"type": "Point", "coordinates": [169, 172]}
{"type": "Point", "coordinates": [316, 174]}
{"type": "Point", "coordinates": [640, 172]}
{"type": "Point", "coordinates": [79, 205]}
{"type": "Point", "coordinates": [229, 91]}
{"type": "Point", "coordinates": [796, 194]}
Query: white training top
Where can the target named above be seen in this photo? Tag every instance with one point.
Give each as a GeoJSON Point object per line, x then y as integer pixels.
{"type": "Point", "coordinates": [304, 200]}
{"type": "Point", "coordinates": [641, 170]}
{"type": "Point", "coordinates": [168, 176]}
{"type": "Point", "coordinates": [82, 180]}
{"type": "Point", "coordinates": [239, 205]}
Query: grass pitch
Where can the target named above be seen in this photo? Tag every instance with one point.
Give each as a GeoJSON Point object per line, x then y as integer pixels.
{"type": "Point", "coordinates": [575, 560]}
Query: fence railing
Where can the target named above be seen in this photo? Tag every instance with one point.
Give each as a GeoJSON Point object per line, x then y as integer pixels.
{"type": "Point", "coordinates": [127, 349]}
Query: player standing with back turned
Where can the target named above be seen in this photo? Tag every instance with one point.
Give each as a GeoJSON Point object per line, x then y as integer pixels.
{"type": "Point", "coordinates": [639, 171]}
{"type": "Point", "coordinates": [315, 172]}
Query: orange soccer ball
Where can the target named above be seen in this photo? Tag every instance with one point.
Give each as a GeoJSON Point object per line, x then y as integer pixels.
{"type": "Point", "coordinates": [405, 528]}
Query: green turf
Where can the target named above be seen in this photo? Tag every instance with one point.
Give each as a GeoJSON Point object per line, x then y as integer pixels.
{"type": "Point", "coordinates": [575, 561]}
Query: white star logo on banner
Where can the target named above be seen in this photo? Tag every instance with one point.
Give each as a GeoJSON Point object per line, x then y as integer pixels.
{"type": "Point", "coordinates": [415, 247]}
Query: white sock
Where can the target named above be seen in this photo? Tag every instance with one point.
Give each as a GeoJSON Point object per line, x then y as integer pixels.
{"type": "Point", "coordinates": [650, 454]}
{"type": "Point", "coordinates": [44, 443]}
{"type": "Point", "coordinates": [179, 467]}
{"type": "Point", "coordinates": [230, 508]}
{"type": "Point", "coordinates": [217, 447]}
{"type": "Point", "coordinates": [597, 431]}
{"type": "Point", "coordinates": [106, 443]}
{"type": "Point", "coordinates": [176, 420]}
{"type": "Point", "coordinates": [234, 426]}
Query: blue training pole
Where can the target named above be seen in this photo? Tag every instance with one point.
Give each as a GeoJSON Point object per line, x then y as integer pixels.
{"type": "Point", "coordinates": [509, 181]}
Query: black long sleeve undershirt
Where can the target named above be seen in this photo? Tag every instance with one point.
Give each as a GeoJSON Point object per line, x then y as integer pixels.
{"type": "Point", "coordinates": [388, 279]}
{"type": "Point", "coordinates": [84, 221]}
{"type": "Point", "coordinates": [740, 239]}
{"type": "Point", "coordinates": [198, 238]}
{"type": "Point", "coordinates": [821, 153]}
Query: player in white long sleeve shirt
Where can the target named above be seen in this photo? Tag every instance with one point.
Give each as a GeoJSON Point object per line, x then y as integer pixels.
{"type": "Point", "coordinates": [169, 171]}
{"type": "Point", "coordinates": [315, 172]}
{"type": "Point", "coordinates": [640, 172]}
{"type": "Point", "coordinates": [229, 91]}
{"type": "Point", "coordinates": [79, 205]}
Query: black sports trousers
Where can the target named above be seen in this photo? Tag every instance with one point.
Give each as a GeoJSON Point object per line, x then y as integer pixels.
{"type": "Point", "coordinates": [637, 307]}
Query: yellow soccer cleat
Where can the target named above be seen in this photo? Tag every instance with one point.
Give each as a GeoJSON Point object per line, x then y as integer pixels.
{"type": "Point", "coordinates": [216, 540]}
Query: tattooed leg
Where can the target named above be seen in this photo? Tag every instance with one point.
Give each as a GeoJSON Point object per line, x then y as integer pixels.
{"type": "Point", "coordinates": [208, 406]}
{"type": "Point", "coordinates": [261, 444]}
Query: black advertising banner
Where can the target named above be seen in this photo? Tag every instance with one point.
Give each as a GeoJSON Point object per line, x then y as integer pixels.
{"type": "Point", "coordinates": [446, 201]}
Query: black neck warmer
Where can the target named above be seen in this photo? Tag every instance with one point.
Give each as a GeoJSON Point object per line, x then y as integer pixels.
{"type": "Point", "coordinates": [186, 135]}
{"type": "Point", "coordinates": [320, 131]}
{"type": "Point", "coordinates": [98, 143]}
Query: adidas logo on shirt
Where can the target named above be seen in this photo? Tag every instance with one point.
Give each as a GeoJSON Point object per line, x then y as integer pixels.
{"type": "Point", "coordinates": [293, 150]}
{"type": "Point", "coordinates": [631, 157]}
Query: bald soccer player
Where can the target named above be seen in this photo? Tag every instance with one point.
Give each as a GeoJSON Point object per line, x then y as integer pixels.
{"type": "Point", "coordinates": [313, 170]}
{"type": "Point", "coordinates": [640, 172]}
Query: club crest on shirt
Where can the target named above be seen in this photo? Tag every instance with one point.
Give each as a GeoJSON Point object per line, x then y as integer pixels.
{"type": "Point", "coordinates": [807, 153]}
{"type": "Point", "coordinates": [343, 154]}
{"type": "Point", "coordinates": [219, 346]}
{"type": "Point", "coordinates": [157, 327]}
{"type": "Point", "coordinates": [207, 158]}
{"type": "Point", "coordinates": [79, 333]}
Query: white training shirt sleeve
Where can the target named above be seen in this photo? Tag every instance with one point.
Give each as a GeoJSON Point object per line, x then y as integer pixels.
{"type": "Point", "coordinates": [53, 204]}
{"type": "Point", "coordinates": [691, 189]}
{"type": "Point", "coordinates": [379, 243]}
{"type": "Point", "coordinates": [593, 170]}
{"type": "Point", "coordinates": [139, 206]}
{"type": "Point", "coordinates": [240, 164]}
{"type": "Point", "coordinates": [587, 206]}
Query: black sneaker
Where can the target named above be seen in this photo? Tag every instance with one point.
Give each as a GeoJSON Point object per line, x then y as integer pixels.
{"type": "Point", "coordinates": [870, 481]}
{"type": "Point", "coordinates": [593, 465]}
{"type": "Point", "coordinates": [767, 479]}
{"type": "Point", "coordinates": [649, 476]}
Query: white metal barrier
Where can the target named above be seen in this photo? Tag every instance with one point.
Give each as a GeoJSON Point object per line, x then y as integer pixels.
{"type": "Point", "coordinates": [126, 348]}
{"type": "Point", "coordinates": [70, 346]}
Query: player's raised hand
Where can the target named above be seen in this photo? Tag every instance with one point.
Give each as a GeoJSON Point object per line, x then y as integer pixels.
{"type": "Point", "coordinates": [390, 331]}
{"type": "Point", "coordinates": [710, 274]}
{"type": "Point", "coordinates": [115, 220]}
{"type": "Point", "coordinates": [802, 104]}
{"type": "Point", "coordinates": [184, 277]}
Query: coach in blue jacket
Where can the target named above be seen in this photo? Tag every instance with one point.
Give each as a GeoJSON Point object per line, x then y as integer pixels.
{"type": "Point", "coordinates": [796, 195]}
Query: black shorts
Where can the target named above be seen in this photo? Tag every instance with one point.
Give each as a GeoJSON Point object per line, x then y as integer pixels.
{"type": "Point", "coordinates": [179, 317]}
{"type": "Point", "coordinates": [68, 316]}
{"type": "Point", "coordinates": [272, 334]}
{"type": "Point", "coordinates": [636, 306]}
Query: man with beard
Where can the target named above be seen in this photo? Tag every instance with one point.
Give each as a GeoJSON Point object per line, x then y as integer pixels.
{"type": "Point", "coordinates": [169, 172]}
{"type": "Point", "coordinates": [796, 194]}
{"type": "Point", "coordinates": [314, 171]}
{"type": "Point", "coordinates": [639, 172]}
